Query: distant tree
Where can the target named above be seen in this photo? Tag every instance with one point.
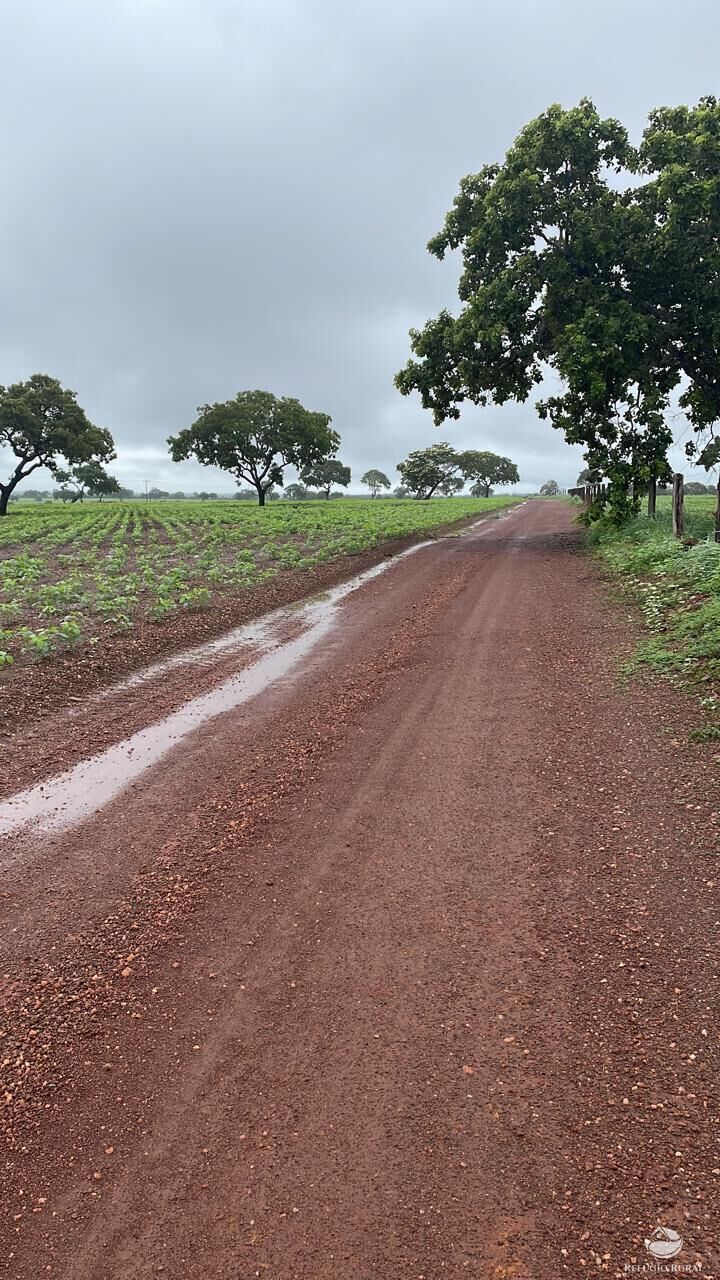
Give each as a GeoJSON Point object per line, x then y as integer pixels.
{"type": "Point", "coordinates": [73, 488]}
{"type": "Point", "coordinates": [696, 487]}
{"type": "Point", "coordinates": [245, 495]}
{"type": "Point", "coordinates": [450, 486]}
{"type": "Point", "coordinates": [32, 495]}
{"type": "Point", "coordinates": [323, 475]}
{"type": "Point", "coordinates": [586, 477]}
{"type": "Point", "coordinates": [179, 496]}
{"type": "Point", "coordinates": [480, 490]}
{"type": "Point", "coordinates": [91, 478]}
{"type": "Point", "coordinates": [42, 423]}
{"type": "Point", "coordinates": [155, 495]}
{"type": "Point", "coordinates": [105, 487]}
{"type": "Point", "coordinates": [296, 492]}
{"type": "Point", "coordinates": [255, 436]}
{"type": "Point", "coordinates": [488, 469]}
{"type": "Point", "coordinates": [426, 470]}
{"type": "Point", "coordinates": [207, 497]}
{"type": "Point", "coordinates": [125, 494]}
{"type": "Point", "coordinates": [401, 491]}
{"type": "Point", "coordinates": [550, 489]}
{"type": "Point", "coordinates": [375, 481]}
{"type": "Point", "coordinates": [59, 495]}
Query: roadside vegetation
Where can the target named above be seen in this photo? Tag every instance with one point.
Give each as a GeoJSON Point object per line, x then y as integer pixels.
{"type": "Point", "coordinates": [677, 585]}
{"type": "Point", "coordinates": [74, 574]}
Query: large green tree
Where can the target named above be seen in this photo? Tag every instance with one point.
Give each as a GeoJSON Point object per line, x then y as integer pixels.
{"type": "Point", "coordinates": [296, 492]}
{"type": "Point", "coordinates": [375, 481]}
{"type": "Point", "coordinates": [439, 469]}
{"type": "Point", "coordinates": [88, 477]}
{"type": "Point", "coordinates": [674, 277]}
{"type": "Point", "coordinates": [426, 470]}
{"type": "Point", "coordinates": [43, 425]}
{"type": "Point", "coordinates": [255, 437]}
{"type": "Point", "coordinates": [323, 475]}
{"type": "Point", "coordinates": [524, 230]}
{"type": "Point", "coordinates": [572, 260]}
{"type": "Point", "coordinates": [488, 469]}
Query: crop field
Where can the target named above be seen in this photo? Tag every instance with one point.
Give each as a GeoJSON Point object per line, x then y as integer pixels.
{"type": "Point", "coordinates": [699, 514]}
{"type": "Point", "coordinates": [71, 575]}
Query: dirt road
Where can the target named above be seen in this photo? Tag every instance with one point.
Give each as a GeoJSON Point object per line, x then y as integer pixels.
{"type": "Point", "coordinates": [405, 965]}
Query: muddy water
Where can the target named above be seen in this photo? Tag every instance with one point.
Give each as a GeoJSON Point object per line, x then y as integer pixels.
{"type": "Point", "coordinates": [71, 796]}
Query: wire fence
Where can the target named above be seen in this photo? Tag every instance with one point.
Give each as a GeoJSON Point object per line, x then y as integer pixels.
{"type": "Point", "coordinates": [590, 493]}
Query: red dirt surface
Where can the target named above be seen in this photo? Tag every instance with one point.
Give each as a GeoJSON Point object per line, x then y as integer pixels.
{"type": "Point", "coordinates": [406, 968]}
{"type": "Point", "coordinates": [32, 694]}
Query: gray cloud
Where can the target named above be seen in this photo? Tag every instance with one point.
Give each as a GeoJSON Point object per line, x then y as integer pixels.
{"type": "Point", "coordinates": [206, 195]}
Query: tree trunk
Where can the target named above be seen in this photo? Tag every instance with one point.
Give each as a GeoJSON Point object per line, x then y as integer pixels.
{"type": "Point", "coordinates": [261, 496]}
{"type": "Point", "coordinates": [652, 493]}
{"type": "Point", "coordinates": [5, 492]}
{"type": "Point", "coordinates": [717, 513]}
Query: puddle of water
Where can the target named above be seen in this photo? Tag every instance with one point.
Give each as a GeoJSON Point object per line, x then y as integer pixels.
{"type": "Point", "coordinates": [261, 633]}
{"type": "Point", "coordinates": [252, 635]}
{"type": "Point", "coordinates": [70, 797]}
{"type": "Point", "coordinates": [82, 790]}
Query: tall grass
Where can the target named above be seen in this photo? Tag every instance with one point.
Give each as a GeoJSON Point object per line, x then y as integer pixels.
{"type": "Point", "coordinates": [677, 587]}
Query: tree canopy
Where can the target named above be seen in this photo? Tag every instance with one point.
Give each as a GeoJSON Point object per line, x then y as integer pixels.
{"type": "Point", "coordinates": [255, 437]}
{"type": "Point", "coordinates": [693, 487]}
{"type": "Point", "coordinates": [425, 470]}
{"type": "Point", "coordinates": [88, 477]}
{"type": "Point", "coordinates": [297, 492]}
{"type": "Point", "coordinates": [488, 469]}
{"type": "Point", "coordinates": [443, 469]}
{"type": "Point", "coordinates": [43, 425]}
{"type": "Point", "coordinates": [375, 481]}
{"type": "Point", "coordinates": [600, 260]}
{"type": "Point", "coordinates": [323, 475]}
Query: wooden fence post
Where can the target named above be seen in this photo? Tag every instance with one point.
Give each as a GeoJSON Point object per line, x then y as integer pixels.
{"type": "Point", "coordinates": [717, 514]}
{"type": "Point", "coordinates": [652, 496]}
{"type": "Point", "coordinates": [678, 508]}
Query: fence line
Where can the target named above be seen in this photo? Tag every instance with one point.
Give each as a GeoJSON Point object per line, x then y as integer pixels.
{"type": "Point", "coordinates": [589, 493]}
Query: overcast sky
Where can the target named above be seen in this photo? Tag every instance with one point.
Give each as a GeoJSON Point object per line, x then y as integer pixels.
{"type": "Point", "coordinates": [204, 196]}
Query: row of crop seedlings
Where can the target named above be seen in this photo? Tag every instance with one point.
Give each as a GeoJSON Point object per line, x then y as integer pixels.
{"type": "Point", "coordinates": [105, 588]}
